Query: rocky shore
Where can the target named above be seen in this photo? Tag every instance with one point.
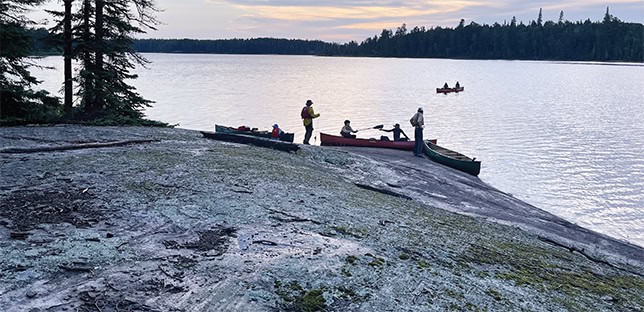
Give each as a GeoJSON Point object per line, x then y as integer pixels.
{"type": "Point", "coordinates": [157, 219]}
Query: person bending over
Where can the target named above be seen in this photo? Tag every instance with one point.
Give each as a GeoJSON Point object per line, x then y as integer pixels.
{"type": "Point", "coordinates": [397, 132]}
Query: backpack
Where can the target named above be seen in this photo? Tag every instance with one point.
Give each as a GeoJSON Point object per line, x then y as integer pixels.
{"type": "Point", "coordinates": [305, 113]}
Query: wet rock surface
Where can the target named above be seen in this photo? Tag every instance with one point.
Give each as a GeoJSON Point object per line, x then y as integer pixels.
{"type": "Point", "coordinates": [190, 224]}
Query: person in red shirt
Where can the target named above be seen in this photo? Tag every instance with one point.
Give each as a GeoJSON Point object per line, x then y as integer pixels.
{"type": "Point", "coordinates": [277, 133]}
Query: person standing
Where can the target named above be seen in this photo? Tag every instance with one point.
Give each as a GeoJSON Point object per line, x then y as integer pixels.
{"type": "Point", "coordinates": [418, 121]}
{"type": "Point", "coordinates": [307, 117]}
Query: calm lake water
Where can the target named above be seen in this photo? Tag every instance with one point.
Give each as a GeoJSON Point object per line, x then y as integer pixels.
{"type": "Point", "coordinates": [565, 137]}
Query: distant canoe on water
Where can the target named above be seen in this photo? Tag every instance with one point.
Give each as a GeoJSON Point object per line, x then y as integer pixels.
{"type": "Point", "coordinates": [286, 137]}
{"type": "Point", "coordinates": [452, 159]}
{"type": "Point", "coordinates": [449, 90]}
{"type": "Point", "coordinates": [333, 140]}
{"type": "Point", "coordinates": [252, 140]}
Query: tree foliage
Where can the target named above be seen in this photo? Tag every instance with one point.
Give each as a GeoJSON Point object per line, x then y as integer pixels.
{"type": "Point", "coordinates": [103, 43]}
{"type": "Point", "coordinates": [606, 40]}
{"type": "Point", "coordinates": [19, 103]}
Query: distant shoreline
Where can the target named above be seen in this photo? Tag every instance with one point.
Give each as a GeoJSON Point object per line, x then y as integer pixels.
{"type": "Point", "coordinates": [602, 63]}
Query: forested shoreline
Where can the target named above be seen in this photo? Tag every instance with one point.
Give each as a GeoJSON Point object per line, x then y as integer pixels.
{"type": "Point", "coordinates": [606, 40]}
{"type": "Point", "coordinates": [100, 36]}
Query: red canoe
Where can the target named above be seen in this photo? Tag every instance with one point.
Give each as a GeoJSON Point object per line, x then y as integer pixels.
{"type": "Point", "coordinates": [449, 90]}
{"type": "Point", "coordinates": [332, 140]}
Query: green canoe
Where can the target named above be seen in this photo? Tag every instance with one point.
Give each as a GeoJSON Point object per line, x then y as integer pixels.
{"type": "Point", "coordinates": [452, 159]}
{"type": "Point", "coordinates": [251, 140]}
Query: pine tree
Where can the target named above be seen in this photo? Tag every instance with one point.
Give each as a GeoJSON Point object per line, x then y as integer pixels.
{"type": "Point", "coordinates": [540, 18]}
{"type": "Point", "coordinates": [561, 18]}
{"type": "Point", "coordinates": [116, 23]}
{"type": "Point", "coordinates": [607, 17]}
{"type": "Point", "coordinates": [67, 54]}
{"type": "Point", "coordinates": [18, 100]}
{"type": "Point", "coordinates": [103, 44]}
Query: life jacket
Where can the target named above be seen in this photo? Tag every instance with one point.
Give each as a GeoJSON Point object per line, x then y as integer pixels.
{"type": "Point", "coordinates": [243, 128]}
{"type": "Point", "coordinates": [413, 121]}
{"type": "Point", "coordinates": [305, 113]}
{"type": "Point", "coordinates": [276, 133]}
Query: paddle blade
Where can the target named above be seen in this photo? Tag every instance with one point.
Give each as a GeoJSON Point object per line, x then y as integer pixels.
{"type": "Point", "coordinates": [378, 126]}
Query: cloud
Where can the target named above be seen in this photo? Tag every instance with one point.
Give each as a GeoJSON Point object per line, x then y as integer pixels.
{"type": "Point", "coordinates": [334, 10]}
{"type": "Point", "coordinates": [359, 19]}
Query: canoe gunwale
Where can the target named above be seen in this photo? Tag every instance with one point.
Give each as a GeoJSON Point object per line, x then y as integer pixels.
{"type": "Point", "coordinates": [342, 141]}
{"type": "Point", "coordinates": [469, 165]}
{"type": "Point", "coordinates": [251, 140]}
{"type": "Point", "coordinates": [288, 137]}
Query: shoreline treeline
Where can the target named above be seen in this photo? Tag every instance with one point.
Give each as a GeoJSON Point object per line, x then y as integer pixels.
{"type": "Point", "coordinates": [608, 40]}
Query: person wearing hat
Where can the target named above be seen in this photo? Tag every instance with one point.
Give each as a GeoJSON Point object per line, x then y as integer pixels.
{"type": "Point", "coordinates": [397, 131]}
{"type": "Point", "coordinates": [307, 117]}
{"type": "Point", "coordinates": [277, 133]}
{"type": "Point", "coordinates": [418, 121]}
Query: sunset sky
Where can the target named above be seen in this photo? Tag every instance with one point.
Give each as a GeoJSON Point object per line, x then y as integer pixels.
{"type": "Point", "coordinates": [345, 20]}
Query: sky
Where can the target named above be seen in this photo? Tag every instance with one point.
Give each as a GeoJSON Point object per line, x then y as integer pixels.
{"type": "Point", "coordinates": [346, 20]}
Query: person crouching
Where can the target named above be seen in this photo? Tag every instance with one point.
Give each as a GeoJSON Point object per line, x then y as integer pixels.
{"type": "Point", "coordinates": [347, 130]}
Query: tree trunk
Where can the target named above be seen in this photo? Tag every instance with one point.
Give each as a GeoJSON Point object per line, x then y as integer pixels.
{"type": "Point", "coordinates": [67, 28]}
{"type": "Point", "coordinates": [87, 59]}
{"type": "Point", "coordinates": [99, 48]}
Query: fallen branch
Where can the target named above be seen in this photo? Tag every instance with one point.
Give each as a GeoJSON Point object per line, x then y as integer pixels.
{"type": "Point", "coordinates": [19, 235]}
{"type": "Point", "coordinates": [293, 218]}
{"type": "Point", "coordinates": [243, 191]}
{"type": "Point", "coordinates": [18, 150]}
{"type": "Point", "coordinates": [383, 191]}
{"type": "Point", "coordinates": [265, 242]}
{"type": "Point", "coordinates": [169, 275]}
{"type": "Point", "coordinates": [76, 268]}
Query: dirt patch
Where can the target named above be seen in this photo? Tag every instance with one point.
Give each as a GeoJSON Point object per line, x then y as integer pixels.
{"type": "Point", "coordinates": [215, 241]}
{"type": "Point", "coordinates": [93, 301]}
{"type": "Point", "coordinates": [131, 298]}
{"type": "Point", "coordinates": [26, 209]}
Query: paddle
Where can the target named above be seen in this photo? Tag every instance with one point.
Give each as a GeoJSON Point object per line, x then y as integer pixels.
{"type": "Point", "coordinates": [376, 127]}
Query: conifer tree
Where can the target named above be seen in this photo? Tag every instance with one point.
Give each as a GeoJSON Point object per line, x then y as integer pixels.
{"type": "Point", "coordinates": [103, 42]}
{"type": "Point", "coordinates": [18, 101]}
{"type": "Point", "coordinates": [607, 17]}
{"type": "Point", "coordinates": [67, 54]}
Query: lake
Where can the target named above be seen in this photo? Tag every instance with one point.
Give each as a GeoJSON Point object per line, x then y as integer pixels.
{"type": "Point", "coordinates": [565, 137]}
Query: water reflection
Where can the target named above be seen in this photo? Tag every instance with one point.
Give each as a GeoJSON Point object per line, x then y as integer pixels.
{"type": "Point", "coordinates": [565, 137]}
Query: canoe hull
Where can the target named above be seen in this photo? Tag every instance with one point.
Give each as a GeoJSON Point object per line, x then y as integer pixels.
{"type": "Point", "coordinates": [452, 159]}
{"type": "Point", "coordinates": [450, 90]}
{"type": "Point", "coordinates": [333, 140]}
{"type": "Point", "coordinates": [286, 137]}
{"type": "Point", "coordinates": [252, 140]}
